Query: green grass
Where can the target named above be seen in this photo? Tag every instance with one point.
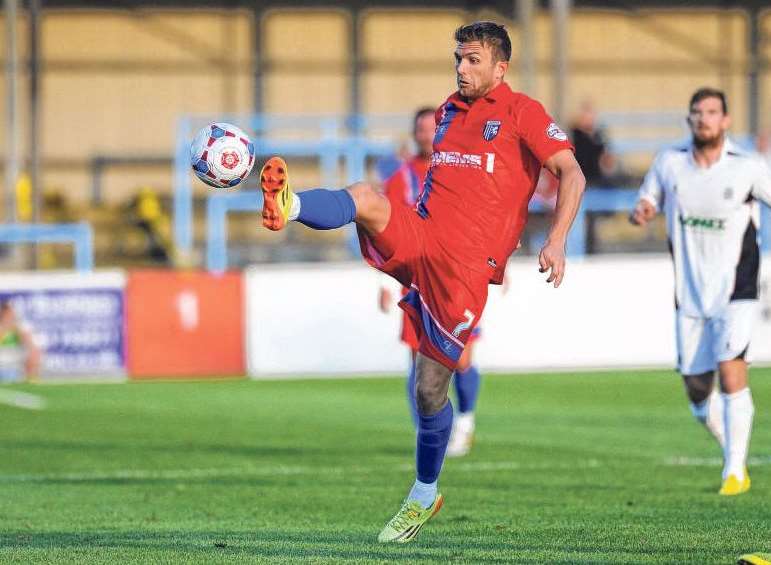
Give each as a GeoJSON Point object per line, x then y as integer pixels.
{"type": "Point", "coordinates": [568, 468]}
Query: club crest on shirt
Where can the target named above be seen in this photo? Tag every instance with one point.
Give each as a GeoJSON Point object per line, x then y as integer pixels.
{"type": "Point", "coordinates": [728, 194]}
{"type": "Point", "coordinates": [555, 132]}
{"type": "Point", "coordinates": [492, 127]}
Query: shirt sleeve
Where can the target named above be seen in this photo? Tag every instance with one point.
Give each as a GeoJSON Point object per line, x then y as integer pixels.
{"type": "Point", "coordinates": [761, 185]}
{"type": "Point", "coordinates": [652, 187]}
{"type": "Point", "coordinates": [540, 132]}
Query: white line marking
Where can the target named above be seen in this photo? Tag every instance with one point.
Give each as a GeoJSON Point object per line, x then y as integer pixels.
{"type": "Point", "coordinates": [713, 461]}
{"type": "Point", "coordinates": [289, 470]}
{"type": "Point", "coordinates": [23, 400]}
{"type": "Point", "coordinates": [278, 470]}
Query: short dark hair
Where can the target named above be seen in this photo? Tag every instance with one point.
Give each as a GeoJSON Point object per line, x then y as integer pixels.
{"type": "Point", "coordinates": [488, 34]}
{"type": "Point", "coordinates": [708, 92]}
{"type": "Point", "coordinates": [419, 113]}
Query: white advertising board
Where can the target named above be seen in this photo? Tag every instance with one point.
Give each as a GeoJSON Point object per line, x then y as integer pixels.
{"type": "Point", "coordinates": [611, 311]}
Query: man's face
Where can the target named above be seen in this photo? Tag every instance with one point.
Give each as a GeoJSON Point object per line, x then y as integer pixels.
{"type": "Point", "coordinates": [477, 70]}
{"type": "Point", "coordinates": [425, 127]}
{"type": "Point", "coordinates": [707, 121]}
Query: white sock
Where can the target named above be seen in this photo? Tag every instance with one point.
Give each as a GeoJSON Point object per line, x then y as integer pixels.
{"type": "Point", "coordinates": [464, 422]}
{"type": "Point", "coordinates": [294, 209]}
{"type": "Point", "coordinates": [710, 413]}
{"type": "Point", "coordinates": [738, 425]}
{"type": "Point", "coordinates": [424, 493]}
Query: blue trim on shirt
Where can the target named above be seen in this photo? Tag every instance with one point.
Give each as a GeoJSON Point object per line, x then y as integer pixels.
{"type": "Point", "coordinates": [450, 111]}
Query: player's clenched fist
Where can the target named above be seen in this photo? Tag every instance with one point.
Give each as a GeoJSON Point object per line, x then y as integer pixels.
{"type": "Point", "coordinates": [643, 213]}
{"type": "Point", "coordinates": [552, 258]}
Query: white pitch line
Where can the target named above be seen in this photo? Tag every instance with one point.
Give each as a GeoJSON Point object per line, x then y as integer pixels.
{"type": "Point", "coordinates": [278, 470]}
{"type": "Point", "coordinates": [23, 400]}
{"type": "Point", "coordinates": [753, 461]}
{"type": "Point", "coordinates": [288, 470]}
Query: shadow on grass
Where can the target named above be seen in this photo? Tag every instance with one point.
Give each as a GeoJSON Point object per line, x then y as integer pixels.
{"type": "Point", "coordinates": [259, 544]}
{"type": "Point", "coordinates": [457, 545]}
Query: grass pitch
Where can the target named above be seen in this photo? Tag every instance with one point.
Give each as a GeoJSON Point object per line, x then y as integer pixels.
{"type": "Point", "coordinates": [568, 468]}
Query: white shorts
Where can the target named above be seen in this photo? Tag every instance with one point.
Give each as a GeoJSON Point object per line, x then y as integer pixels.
{"type": "Point", "coordinates": [702, 343]}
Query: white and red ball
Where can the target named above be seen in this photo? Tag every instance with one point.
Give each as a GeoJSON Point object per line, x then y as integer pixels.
{"type": "Point", "coordinates": [221, 155]}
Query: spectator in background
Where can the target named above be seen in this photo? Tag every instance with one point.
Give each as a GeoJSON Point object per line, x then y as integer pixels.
{"type": "Point", "coordinates": [19, 354]}
{"type": "Point", "coordinates": [592, 152]}
{"type": "Point", "coordinates": [148, 215]}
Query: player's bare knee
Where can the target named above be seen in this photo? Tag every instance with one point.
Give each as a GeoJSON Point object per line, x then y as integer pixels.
{"type": "Point", "coordinates": [364, 196]}
{"type": "Point", "coordinates": [699, 387]}
{"type": "Point", "coordinates": [430, 398]}
{"type": "Point", "coordinates": [372, 208]}
{"type": "Point", "coordinates": [432, 380]}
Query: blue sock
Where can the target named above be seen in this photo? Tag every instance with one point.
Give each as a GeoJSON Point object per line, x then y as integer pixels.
{"type": "Point", "coordinates": [323, 209]}
{"type": "Point", "coordinates": [433, 435]}
{"type": "Point", "coordinates": [467, 388]}
{"type": "Point", "coordinates": [411, 400]}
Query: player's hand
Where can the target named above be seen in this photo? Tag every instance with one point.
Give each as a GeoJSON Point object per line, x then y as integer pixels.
{"type": "Point", "coordinates": [384, 299]}
{"type": "Point", "coordinates": [552, 259]}
{"type": "Point", "coordinates": [643, 213]}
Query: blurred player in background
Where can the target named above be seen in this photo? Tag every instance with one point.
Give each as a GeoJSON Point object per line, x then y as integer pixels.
{"type": "Point", "coordinates": [708, 191]}
{"type": "Point", "coordinates": [19, 354]}
{"type": "Point", "coordinates": [402, 188]}
{"type": "Point", "coordinates": [489, 146]}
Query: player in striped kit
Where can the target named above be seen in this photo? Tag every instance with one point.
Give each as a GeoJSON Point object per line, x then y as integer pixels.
{"type": "Point", "coordinates": [708, 191]}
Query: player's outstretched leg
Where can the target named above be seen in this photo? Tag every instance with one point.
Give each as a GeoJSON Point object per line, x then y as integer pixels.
{"type": "Point", "coordinates": [319, 209]}
{"type": "Point", "coordinates": [434, 425]}
{"type": "Point", "coordinates": [467, 383]}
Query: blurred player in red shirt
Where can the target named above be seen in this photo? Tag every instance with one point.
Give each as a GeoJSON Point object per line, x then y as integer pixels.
{"type": "Point", "coordinates": [489, 147]}
{"type": "Point", "coordinates": [403, 188]}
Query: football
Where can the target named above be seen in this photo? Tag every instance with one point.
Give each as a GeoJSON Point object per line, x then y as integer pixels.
{"type": "Point", "coordinates": [222, 155]}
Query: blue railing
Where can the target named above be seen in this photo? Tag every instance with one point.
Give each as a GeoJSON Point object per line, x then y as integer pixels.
{"type": "Point", "coordinates": [217, 207]}
{"type": "Point", "coordinates": [80, 235]}
{"type": "Point", "coordinates": [595, 200]}
{"type": "Point", "coordinates": [350, 141]}
{"type": "Point", "coordinates": [325, 138]}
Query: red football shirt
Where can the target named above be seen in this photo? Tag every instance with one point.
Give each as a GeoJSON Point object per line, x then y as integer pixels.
{"type": "Point", "coordinates": [403, 187]}
{"type": "Point", "coordinates": [484, 169]}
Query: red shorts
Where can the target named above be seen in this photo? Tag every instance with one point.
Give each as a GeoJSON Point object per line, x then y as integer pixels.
{"type": "Point", "coordinates": [444, 301]}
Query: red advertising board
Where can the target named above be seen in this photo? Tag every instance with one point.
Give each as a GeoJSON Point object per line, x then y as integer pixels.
{"type": "Point", "coordinates": [184, 324]}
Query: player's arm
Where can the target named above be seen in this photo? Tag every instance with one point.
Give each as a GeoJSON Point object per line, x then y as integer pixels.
{"type": "Point", "coordinates": [564, 166]}
{"type": "Point", "coordinates": [649, 196]}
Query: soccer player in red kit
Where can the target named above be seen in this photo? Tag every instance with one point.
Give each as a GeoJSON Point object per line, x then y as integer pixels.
{"type": "Point", "coordinates": [402, 188]}
{"type": "Point", "coordinates": [489, 146]}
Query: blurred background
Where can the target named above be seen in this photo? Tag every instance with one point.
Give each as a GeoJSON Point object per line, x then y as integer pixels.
{"type": "Point", "coordinates": [101, 100]}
